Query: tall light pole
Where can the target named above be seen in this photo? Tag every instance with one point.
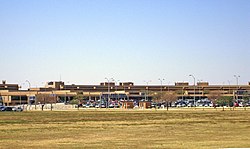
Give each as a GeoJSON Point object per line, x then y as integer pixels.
{"type": "Point", "coordinates": [199, 89]}
{"type": "Point", "coordinates": [20, 100]}
{"type": "Point", "coordinates": [108, 92]}
{"type": "Point", "coordinates": [223, 88]}
{"type": "Point", "coordinates": [237, 82]}
{"type": "Point", "coordinates": [237, 79]}
{"type": "Point", "coordinates": [146, 95]}
{"type": "Point", "coordinates": [28, 83]}
{"type": "Point", "coordinates": [161, 80]}
{"type": "Point", "coordinates": [44, 95]}
{"type": "Point", "coordinates": [229, 87]}
{"type": "Point", "coordinates": [1, 100]}
{"type": "Point", "coordinates": [194, 88]}
{"type": "Point", "coordinates": [116, 82]}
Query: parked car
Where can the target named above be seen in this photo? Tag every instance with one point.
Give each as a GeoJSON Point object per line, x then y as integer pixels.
{"type": "Point", "coordinates": [91, 105]}
{"type": "Point", "coordinates": [181, 105]}
{"type": "Point", "coordinates": [116, 105]}
{"type": "Point", "coordinates": [17, 109]}
{"type": "Point", "coordinates": [2, 108]}
{"type": "Point", "coordinates": [153, 105]}
{"type": "Point", "coordinates": [190, 104]}
{"type": "Point", "coordinates": [111, 106]}
{"type": "Point", "coordinates": [8, 109]}
{"type": "Point", "coordinates": [87, 106]}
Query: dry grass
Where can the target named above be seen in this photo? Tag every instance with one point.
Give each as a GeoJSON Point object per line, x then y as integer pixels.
{"type": "Point", "coordinates": [125, 129]}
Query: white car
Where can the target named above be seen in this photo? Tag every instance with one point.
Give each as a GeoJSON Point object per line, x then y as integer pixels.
{"type": "Point", "coordinates": [17, 109]}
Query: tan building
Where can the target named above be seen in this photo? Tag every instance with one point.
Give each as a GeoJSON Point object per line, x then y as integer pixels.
{"type": "Point", "coordinates": [11, 95]}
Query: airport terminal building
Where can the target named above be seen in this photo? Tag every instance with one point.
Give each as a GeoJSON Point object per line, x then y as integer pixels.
{"type": "Point", "coordinates": [59, 92]}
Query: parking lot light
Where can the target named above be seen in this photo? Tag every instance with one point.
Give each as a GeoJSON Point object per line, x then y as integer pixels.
{"type": "Point", "coordinates": [237, 83]}
{"type": "Point", "coordinates": [108, 91]}
{"type": "Point", "coordinates": [161, 80]}
{"type": "Point", "coordinates": [146, 95]}
{"type": "Point", "coordinates": [194, 88]}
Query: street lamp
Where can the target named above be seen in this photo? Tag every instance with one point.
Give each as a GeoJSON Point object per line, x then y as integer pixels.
{"type": "Point", "coordinates": [108, 92]}
{"type": "Point", "coordinates": [28, 83]}
{"type": "Point", "coordinates": [116, 82]}
{"type": "Point", "coordinates": [161, 80]}
{"type": "Point", "coordinates": [20, 97]}
{"type": "Point", "coordinates": [199, 89]}
{"type": "Point", "coordinates": [194, 88]}
{"type": "Point", "coordinates": [228, 87]}
{"type": "Point", "coordinates": [223, 88]}
{"type": "Point", "coordinates": [146, 95]}
{"type": "Point", "coordinates": [45, 94]}
{"type": "Point", "coordinates": [237, 79]}
{"type": "Point", "coordinates": [237, 82]}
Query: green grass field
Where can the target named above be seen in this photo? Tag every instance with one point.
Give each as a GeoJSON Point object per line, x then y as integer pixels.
{"type": "Point", "coordinates": [125, 129]}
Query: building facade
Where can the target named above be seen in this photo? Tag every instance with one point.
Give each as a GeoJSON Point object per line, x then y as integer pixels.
{"type": "Point", "coordinates": [10, 94]}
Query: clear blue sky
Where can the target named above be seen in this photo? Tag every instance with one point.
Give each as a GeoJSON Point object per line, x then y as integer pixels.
{"type": "Point", "coordinates": [130, 40]}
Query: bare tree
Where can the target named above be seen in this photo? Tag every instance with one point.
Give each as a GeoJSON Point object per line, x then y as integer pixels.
{"type": "Point", "coordinates": [213, 96]}
{"type": "Point", "coordinates": [166, 97]}
{"type": "Point", "coordinates": [157, 96]}
{"type": "Point", "coordinates": [169, 97]}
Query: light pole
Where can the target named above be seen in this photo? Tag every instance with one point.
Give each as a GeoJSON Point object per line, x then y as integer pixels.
{"type": "Point", "coordinates": [65, 89]}
{"type": "Point", "coordinates": [28, 83]}
{"type": "Point", "coordinates": [20, 100]}
{"type": "Point", "coordinates": [237, 79]}
{"type": "Point", "coordinates": [228, 87]}
{"type": "Point", "coordinates": [146, 95]}
{"type": "Point", "coordinates": [237, 82]}
{"type": "Point", "coordinates": [108, 92]}
{"type": "Point", "coordinates": [194, 88]}
{"type": "Point", "coordinates": [223, 88]}
{"type": "Point", "coordinates": [161, 80]}
{"type": "Point", "coordinates": [168, 86]}
{"type": "Point", "coordinates": [44, 95]}
{"type": "Point", "coordinates": [199, 89]}
{"type": "Point", "coordinates": [116, 82]}
{"type": "Point", "coordinates": [1, 100]}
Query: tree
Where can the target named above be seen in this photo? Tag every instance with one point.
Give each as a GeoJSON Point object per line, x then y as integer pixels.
{"type": "Point", "coordinates": [157, 97]}
{"type": "Point", "coordinates": [213, 96]}
{"type": "Point", "coordinates": [225, 100]}
{"type": "Point", "coordinates": [78, 99]}
{"type": "Point", "coordinates": [169, 97]}
{"type": "Point", "coordinates": [246, 99]}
